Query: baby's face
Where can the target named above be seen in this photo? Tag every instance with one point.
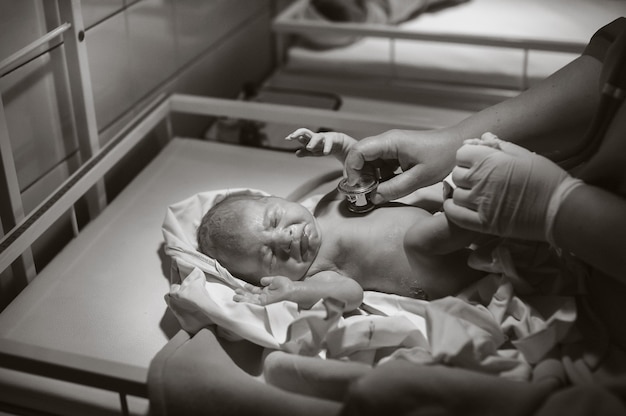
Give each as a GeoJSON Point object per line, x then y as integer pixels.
{"type": "Point", "coordinates": [283, 239]}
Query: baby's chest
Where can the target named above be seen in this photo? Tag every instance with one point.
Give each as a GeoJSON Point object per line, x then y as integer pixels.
{"type": "Point", "coordinates": [381, 231]}
{"type": "Point", "coordinates": [372, 243]}
{"type": "Point", "coordinates": [374, 250]}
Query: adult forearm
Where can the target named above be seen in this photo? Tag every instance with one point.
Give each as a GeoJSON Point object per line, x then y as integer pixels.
{"type": "Point", "coordinates": [591, 223]}
{"type": "Point", "coordinates": [553, 113]}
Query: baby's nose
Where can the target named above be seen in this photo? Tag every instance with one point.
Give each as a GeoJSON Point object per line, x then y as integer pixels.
{"type": "Point", "coordinates": [284, 238]}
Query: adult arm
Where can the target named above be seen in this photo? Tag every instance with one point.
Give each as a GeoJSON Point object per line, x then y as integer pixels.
{"type": "Point", "coordinates": [552, 114]}
{"type": "Point", "coordinates": [549, 115]}
{"type": "Point", "coordinates": [591, 224]}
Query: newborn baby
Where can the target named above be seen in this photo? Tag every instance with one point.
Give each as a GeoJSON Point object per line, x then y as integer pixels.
{"type": "Point", "coordinates": [286, 252]}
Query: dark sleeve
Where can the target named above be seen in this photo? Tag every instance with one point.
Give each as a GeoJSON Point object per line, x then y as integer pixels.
{"type": "Point", "coordinates": [602, 40]}
{"type": "Point", "coordinates": [605, 168]}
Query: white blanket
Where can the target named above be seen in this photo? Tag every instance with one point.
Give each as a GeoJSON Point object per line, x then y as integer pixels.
{"type": "Point", "coordinates": [487, 327]}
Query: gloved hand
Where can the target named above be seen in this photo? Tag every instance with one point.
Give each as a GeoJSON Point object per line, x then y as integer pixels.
{"type": "Point", "coordinates": [506, 190]}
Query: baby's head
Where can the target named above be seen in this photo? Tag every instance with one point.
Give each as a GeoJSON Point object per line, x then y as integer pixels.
{"type": "Point", "coordinates": [256, 236]}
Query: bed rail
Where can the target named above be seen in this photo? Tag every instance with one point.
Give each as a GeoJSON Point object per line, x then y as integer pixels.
{"type": "Point", "coordinates": [249, 110]}
{"type": "Point", "coordinates": [87, 371]}
{"type": "Point", "coordinates": [289, 22]}
{"type": "Point", "coordinates": [20, 238]}
{"type": "Point", "coordinates": [10, 63]}
{"type": "Point", "coordinates": [72, 33]}
{"type": "Point", "coordinates": [60, 365]}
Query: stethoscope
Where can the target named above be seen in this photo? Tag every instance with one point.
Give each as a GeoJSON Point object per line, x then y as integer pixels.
{"type": "Point", "coordinates": [612, 96]}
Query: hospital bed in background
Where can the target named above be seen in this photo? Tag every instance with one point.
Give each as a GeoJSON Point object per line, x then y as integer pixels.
{"type": "Point", "coordinates": [477, 51]}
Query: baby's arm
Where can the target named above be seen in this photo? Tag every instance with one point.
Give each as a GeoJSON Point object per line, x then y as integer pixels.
{"type": "Point", "coordinates": [322, 144]}
{"type": "Point", "coordinates": [305, 293]}
{"type": "Point", "coordinates": [437, 247]}
{"type": "Point", "coordinates": [437, 235]}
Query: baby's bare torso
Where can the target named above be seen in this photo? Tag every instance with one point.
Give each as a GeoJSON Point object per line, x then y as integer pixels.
{"type": "Point", "coordinates": [370, 249]}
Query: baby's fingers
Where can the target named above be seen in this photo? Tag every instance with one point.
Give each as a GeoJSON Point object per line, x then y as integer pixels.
{"type": "Point", "coordinates": [249, 288]}
{"type": "Point", "coordinates": [248, 298]}
{"type": "Point", "coordinates": [302, 135]}
{"type": "Point", "coordinates": [318, 144]}
{"type": "Point", "coordinates": [314, 144]}
{"type": "Point", "coordinates": [265, 281]}
{"type": "Point", "coordinates": [328, 147]}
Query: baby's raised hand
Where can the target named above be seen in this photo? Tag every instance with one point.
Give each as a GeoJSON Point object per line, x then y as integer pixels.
{"type": "Point", "coordinates": [321, 144]}
{"type": "Point", "coordinates": [274, 289]}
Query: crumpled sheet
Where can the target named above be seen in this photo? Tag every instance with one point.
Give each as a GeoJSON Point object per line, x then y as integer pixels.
{"type": "Point", "coordinates": [499, 325]}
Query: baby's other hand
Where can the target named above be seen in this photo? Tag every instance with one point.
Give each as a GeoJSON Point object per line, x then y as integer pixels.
{"type": "Point", "coordinates": [320, 144]}
{"type": "Point", "coordinates": [249, 293]}
{"type": "Point", "coordinates": [274, 289]}
{"type": "Point", "coordinates": [487, 139]}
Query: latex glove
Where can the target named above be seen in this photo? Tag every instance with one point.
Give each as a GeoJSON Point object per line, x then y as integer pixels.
{"type": "Point", "coordinates": [506, 190]}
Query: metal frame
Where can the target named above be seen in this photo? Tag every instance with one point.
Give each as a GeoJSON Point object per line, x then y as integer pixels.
{"type": "Point", "coordinates": [288, 23]}
{"type": "Point", "coordinates": [76, 61]}
{"type": "Point", "coordinates": [22, 230]}
{"type": "Point", "coordinates": [60, 365]}
{"type": "Point", "coordinates": [82, 95]}
{"type": "Point", "coordinates": [13, 61]}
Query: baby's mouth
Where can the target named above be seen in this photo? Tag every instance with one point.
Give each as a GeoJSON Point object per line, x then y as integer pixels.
{"type": "Point", "coordinates": [304, 242]}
